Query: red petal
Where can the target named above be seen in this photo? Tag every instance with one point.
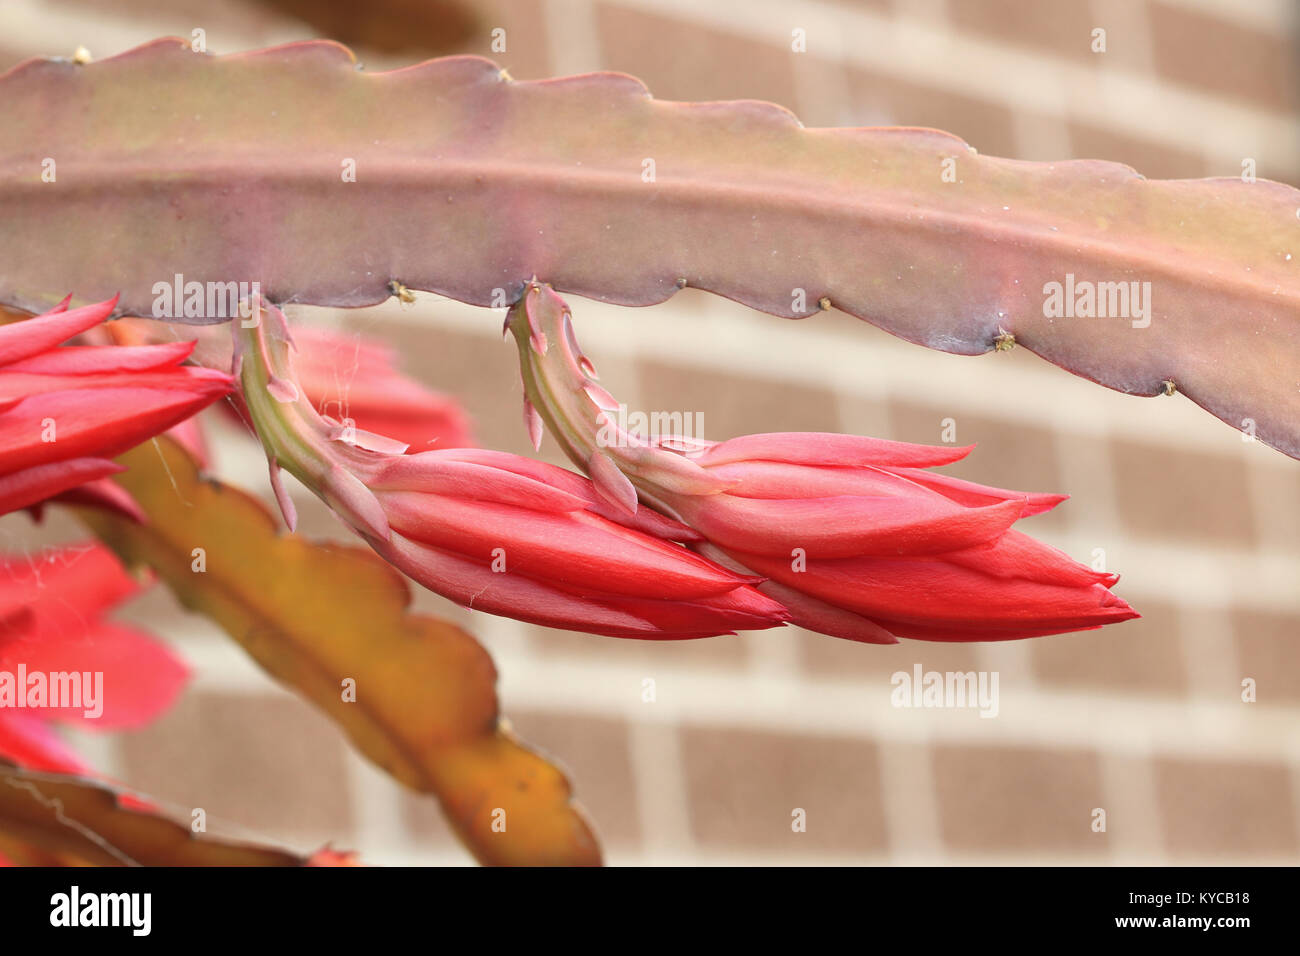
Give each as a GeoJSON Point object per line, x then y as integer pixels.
{"type": "Point", "coordinates": [742, 609]}
{"type": "Point", "coordinates": [933, 593]}
{"type": "Point", "coordinates": [477, 587]}
{"type": "Point", "coordinates": [576, 550]}
{"type": "Point", "coordinates": [830, 448]}
{"type": "Point", "coordinates": [31, 485]}
{"type": "Point", "coordinates": [100, 423]}
{"type": "Point", "coordinates": [141, 677]}
{"type": "Point", "coordinates": [781, 479]}
{"type": "Point", "coordinates": [20, 340]}
{"type": "Point", "coordinates": [646, 520]}
{"type": "Point", "coordinates": [65, 590]}
{"type": "Point", "coordinates": [808, 612]}
{"type": "Point", "coordinates": [107, 495]}
{"type": "Point", "coordinates": [1017, 555]}
{"type": "Point", "coordinates": [93, 359]}
{"type": "Point", "coordinates": [845, 526]}
{"type": "Point", "coordinates": [176, 378]}
{"type": "Point", "coordinates": [969, 493]}
{"type": "Point", "coordinates": [436, 473]}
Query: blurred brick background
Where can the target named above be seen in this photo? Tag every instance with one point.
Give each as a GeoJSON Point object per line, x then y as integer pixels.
{"type": "Point", "coordinates": [1145, 720]}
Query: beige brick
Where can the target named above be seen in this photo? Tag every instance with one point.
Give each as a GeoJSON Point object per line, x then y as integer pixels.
{"type": "Point", "coordinates": [1058, 29]}
{"type": "Point", "coordinates": [1212, 53]}
{"type": "Point", "coordinates": [1182, 495]}
{"type": "Point", "coordinates": [684, 61]}
{"type": "Point", "coordinates": [1268, 649]}
{"type": "Point", "coordinates": [1018, 800]}
{"type": "Point", "coordinates": [745, 785]}
{"type": "Point", "coordinates": [1224, 808]}
{"type": "Point", "coordinates": [269, 765]}
{"type": "Point", "coordinates": [733, 403]}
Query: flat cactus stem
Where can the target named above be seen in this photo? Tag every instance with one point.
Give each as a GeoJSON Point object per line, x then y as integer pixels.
{"type": "Point", "coordinates": [239, 168]}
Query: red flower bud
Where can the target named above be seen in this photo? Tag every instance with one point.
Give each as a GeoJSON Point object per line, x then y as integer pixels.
{"type": "Point", "coordinates": [855, 536]}
{"type": "Point", "coordinates": [65, 412]}
{"type": "Point", "coordinates": [492, 531]}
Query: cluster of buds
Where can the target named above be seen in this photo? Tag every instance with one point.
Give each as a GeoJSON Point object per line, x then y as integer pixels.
{"type": "Point", "coordinates": [66, 411]}
{"type": "Point", "coordinates": [856, 537]}
{"type": "Point", "coordinates": [674, 536]}
{"type": "Point", "coordinates": [491, 531]}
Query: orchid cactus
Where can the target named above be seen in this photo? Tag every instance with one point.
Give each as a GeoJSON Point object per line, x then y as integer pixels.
{"type": "Point", "coordinates": [505, 195]}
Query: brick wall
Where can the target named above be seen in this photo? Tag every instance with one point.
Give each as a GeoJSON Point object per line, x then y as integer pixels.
{"type": "Point", "coordinates": [1144, 720]}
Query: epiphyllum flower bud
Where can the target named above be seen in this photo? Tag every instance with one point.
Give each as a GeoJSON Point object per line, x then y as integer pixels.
{"type": "Point", "coordinates": [65, 412]}
{"type": "Point", "coordinates": [856, 537]}
{"type": "Point", "coordinates": [489, 530]}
